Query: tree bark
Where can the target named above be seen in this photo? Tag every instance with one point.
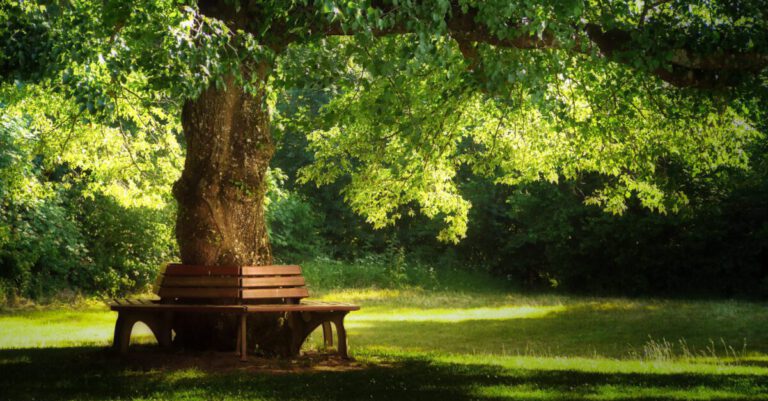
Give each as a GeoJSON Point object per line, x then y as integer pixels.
{"type": "Point", "coordinates": [220, 195]}
{"type": "Point", "coordinates": [221, 191]}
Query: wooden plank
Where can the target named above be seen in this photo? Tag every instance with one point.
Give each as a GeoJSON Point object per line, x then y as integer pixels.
{"type": "Point", "coordinates": [309, 307]}
{"type": "Point", "coordinates": [199, 292]}
{"type": "Point", "coordinates": [200, 281]}
{"type": "Point", "coordinates": [175, 269]}
{"type": "Point", "coordinates": [275, 281]}
{"type": "Point", "coordinates": [243, 338]}
{"type": "Point", "coordinates": [301, 308]}
{"type": "Point", "coordinates": [299, 292]}
{"type": "Point", "coordinates": [180, 308]}
{"type": "Point", "coordinates": [327, 334]}
{"type": "Point", "coordinates": [285, 270]}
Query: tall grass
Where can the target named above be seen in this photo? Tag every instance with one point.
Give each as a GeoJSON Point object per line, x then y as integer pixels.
{"type": "Point", "coordinates": [395, 272]}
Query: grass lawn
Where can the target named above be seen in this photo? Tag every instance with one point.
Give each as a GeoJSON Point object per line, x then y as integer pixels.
{"type": "Point", "coordinates": [419, 344]}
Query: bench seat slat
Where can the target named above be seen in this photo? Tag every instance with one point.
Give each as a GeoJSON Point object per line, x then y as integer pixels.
{"type": "Point", "coordinates": [198, 292]}
{"type": "Point", "coordinates": [179, 308]}
{"type": "Point", "coordinates": [308, 307]}
{"type": "Point", "coordinates": [175, 269]}
{"type": "Point", "coordinates": [300, 308]}
{"type": "Point", "coordinates": [289, 281]}
{"type": "Point", "coordinates": [298, 292]}
{"type": "Point", "coordinates": [202, 281]}
{"type": "Point", "coordinates": [284, 270]}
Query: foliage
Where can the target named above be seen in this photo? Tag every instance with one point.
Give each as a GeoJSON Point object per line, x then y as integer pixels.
{"type": "Point", "coordinates": [487, 121]}
{"type": "Point", "coordinates": [127, 246]}
{"type": "Point", "coordinates": [543, 235]}
{"type": "Point", "coordinates": [409, 111]}
{"type": "Point", "coordinates": [294, 225]}
{"type": "Point", "coordinates": [75, 216]}
{"type": "Point", "coordinates": [715, 246]}
{"type": "Point", "coordinates": [406, 117]}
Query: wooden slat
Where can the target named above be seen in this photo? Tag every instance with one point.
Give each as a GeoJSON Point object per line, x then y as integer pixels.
{"type": "Point", "coordinates": [301, 308]}
{"type": "Point", "coordinates": [199, 292]}
{"type": "Point", "coordinates": [201, 281]}
{"type": "Point", "coordinates": [175, 269]}
{"type": "Point", "coordinates": [181, 308]}
{"type": "Point", "coordinates": [300, 292]}
{"type": "Point", "coordinates": [273, 270]}
{"type": "Point", "coordinates": [287, 281]}
{"type": "Point", "coordinates": [309, 307]}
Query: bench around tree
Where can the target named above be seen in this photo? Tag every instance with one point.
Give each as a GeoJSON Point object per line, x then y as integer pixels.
{"type": "Point", "coordinates": [236, 290]}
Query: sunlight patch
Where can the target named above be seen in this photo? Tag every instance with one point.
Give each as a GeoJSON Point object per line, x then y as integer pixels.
{"type": "Point", "coordinates": [609, 392]}
{"type": "Point", "coordinates": [457, 315]}
{"type": "Point", "coordinates": [526, 392]}
{"type": "Point", "coordinates": [24, 359]}
{"type": "Point", "coordinates": [602, 365]}
{"type": "Point", "coordinates": [363, 294]}
{"type": "Point", "coordinates": [184, 374]}
{"type": "Point", "coordinates": [47, 330]}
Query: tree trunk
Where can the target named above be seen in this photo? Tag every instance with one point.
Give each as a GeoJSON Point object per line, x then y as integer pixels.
{"type": "Point", "coordinates": [221, 191]}
{"type": "Point", "coordinates": [220, 197]}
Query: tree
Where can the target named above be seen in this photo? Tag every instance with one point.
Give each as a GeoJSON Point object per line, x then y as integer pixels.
{"type": "Point", "coordinates": [515, 90]}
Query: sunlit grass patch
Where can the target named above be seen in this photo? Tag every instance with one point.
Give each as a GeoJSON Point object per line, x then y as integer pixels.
{"type": "Point", "coordinates": [184, 374]}
{"type": "Point", "coordinates": [604, 365]}
{"type": "Point", "coordinates": [361, 295]}
{"type": "Point", "coordinates": [62, 328]}
{"type": "Point", "coordinates": [613, 392]}
{"type": "Point", "coordinates": [617, 392]}
{"type": "Point", "coordinates": [455, 314]}
{"type": "Point", "coordinates": [420, 298]}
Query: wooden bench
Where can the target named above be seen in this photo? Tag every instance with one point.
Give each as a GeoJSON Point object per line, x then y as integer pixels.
{"type": "Point", "coordinates": [237, 290]}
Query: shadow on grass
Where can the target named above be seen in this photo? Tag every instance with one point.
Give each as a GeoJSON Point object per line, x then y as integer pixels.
{"type": "Point", "coordinates": [756, 363]}
{"type": "Point", "coordinates": [88, 373]}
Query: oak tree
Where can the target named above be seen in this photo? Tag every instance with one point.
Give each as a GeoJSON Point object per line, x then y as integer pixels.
{"type": "Point", "coordinates": [516, 91]}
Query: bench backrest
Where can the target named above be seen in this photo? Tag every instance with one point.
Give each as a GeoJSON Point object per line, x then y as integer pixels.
{"type": "Point", "coordinates": [277, 283]}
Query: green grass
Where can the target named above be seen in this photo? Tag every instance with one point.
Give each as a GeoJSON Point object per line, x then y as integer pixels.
{"type": "Point", "coordinates": [467, 342]}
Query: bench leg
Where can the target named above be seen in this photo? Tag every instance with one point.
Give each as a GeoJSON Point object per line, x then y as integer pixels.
{"type": "Point", "coordinates": [243, 338]}
{"type": "Point", "coordinates": [239, 338]}
{"type": "Point", "coordinates": [123, 328]}
{"type": "Point", "coordinates": [338, 321]}
{"type": "Point", "coordinates": [327, 334]}
{"type": "Point", "coordinates": [165, 328]}
{"type": "Point", "coordinates": [159, 323]}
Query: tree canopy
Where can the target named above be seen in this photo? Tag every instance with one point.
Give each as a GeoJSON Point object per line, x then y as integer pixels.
{"type": "Point", "coordinates": [418, 92]}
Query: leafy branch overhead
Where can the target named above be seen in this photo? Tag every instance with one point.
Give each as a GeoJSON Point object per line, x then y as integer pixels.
{"type": "Point", "coordinates": [421, 94]}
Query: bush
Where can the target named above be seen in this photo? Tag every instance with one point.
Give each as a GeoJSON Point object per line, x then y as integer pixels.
{"type": "Point", "coordinates": [44, 250]}
{"type": "Point", "coordinates": [54, 239]}
{"type": "Point", "coordinates": [294, 229]}
{"type": "Point", "coordinates": [715, 247]}
{"type": "Point", "coordinates": [126, 246]}
{"type": "Point", "coordinates": [294, 225]}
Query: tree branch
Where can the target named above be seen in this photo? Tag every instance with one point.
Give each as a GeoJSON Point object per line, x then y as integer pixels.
{"type": "Point", "coordinates": [686, 68]}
